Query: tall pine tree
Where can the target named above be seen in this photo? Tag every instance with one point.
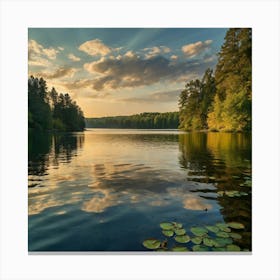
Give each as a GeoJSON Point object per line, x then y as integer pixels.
{"type": "Point", "coordinates": [232, 103]}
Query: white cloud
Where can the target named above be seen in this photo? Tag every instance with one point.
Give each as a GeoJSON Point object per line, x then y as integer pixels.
{"type": "Point", "coordinates": [73, 57]}
{"type": "Point", "coordinates": [40, 56]}
{"type": "Point", "coordinates": [154, 51]}
{"type": "Point", "coordinates": [95, 47]}
{"type": "Point", "coordinates": [58, 73]}
{"type": "Point", "coordinates": [194, 49]}
{"type": "Point", "coordinates": [130, 54]}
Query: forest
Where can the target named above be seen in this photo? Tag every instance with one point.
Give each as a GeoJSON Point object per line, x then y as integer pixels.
{"type": "Point", "coordinates": [169, 120]}
{"type": "Point", "coordinates": [48, 110]}
{"type": "Point", "coordinates": [222, 99]}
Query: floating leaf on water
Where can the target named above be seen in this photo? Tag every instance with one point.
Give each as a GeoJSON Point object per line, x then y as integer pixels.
{"type": "Point", "coordinates": [180, 231]}
{"type": "Point", "coordinates": [151, 243]}
{"type": "Point", "coordinates": [208, 242]}
{"type": "Point", "coordinates": [221, 226]}
{"type": "Point", "coordinates": [222, 242]}
{"type": "Point", "coordinates": [248, 183]}
{"type": "Point", "coordinates": [219, 249]}
{"type": "Point", "coordinates": [222, 234]}
{"type": "Point", "coordinates": [233, 248]}
{"type": "Point", "coordinates": [220, 193]}
{"type": "Point", "coordinates": [182, 238]}
{"type": "Point", "coordinates": [235, 176]}
{"type": "Point", "coordinates": [177, 225]}
{"type": "Point", "coordinates": [231, 193]}
{"type": "Point", "coordinates": [243, 193]}
{"type": "Point", "coordinates": [168, 233]}
{"type": "Point", "coordinates": [212, 228]}
{"type": "Point", "coordinates": [196, 240]}
{"type": "Point", "coordinates": [179, 249]}
{"type": "Point", "coordinates": [212, 178]}
{"type": "Point", "coordinates": [226, 229]}
{"type": "Point", "coordinates": [236, 225]}
{"type": "Point", "coordinates": [200, 248]}
{"type": "Point", "coordinates": [199, 231]}
{"type": "Point", "coordinates": [235, 235]}
{"type": "Point", "coordinates": [166, 226]}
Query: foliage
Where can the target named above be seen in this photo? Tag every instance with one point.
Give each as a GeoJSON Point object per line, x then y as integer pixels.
{"type": "Point", "coordinates": [142, 121]}
{"type": "Point", "coordinates": [50, 110]}
{"type": "Point", "coordinates": [217, 240]}
{"type": "Point", "coordinates": [195, 102]}
{"type": "Point", "coordinates": [222, 101]}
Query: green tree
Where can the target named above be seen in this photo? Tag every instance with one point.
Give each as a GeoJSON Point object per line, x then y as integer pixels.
{"type": "Point", "coordinates": [232, 106]}
{"type": "Point", "coordinates": [50, 110]}
{"type": "Point", "coordinates": [39, 111]}
{"type": "Point", "coordinates": [195, 102]}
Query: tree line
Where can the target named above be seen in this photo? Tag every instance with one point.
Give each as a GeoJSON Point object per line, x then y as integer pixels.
{"type": "Point", "coordinates": [169, 120]}
{"type": "Point", "coordinates": [222, 99]}
{"type": "Point", "coordinates": [48, 110]}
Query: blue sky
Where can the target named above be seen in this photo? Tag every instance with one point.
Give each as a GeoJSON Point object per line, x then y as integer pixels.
{"type": "Point", "coordinates": [122, 71]}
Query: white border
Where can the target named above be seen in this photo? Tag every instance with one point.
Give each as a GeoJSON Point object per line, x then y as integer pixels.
{"type": "Point", "coordinates": [17, 16]}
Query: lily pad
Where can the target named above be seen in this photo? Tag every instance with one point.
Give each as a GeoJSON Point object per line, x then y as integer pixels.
{"type": "Point", "coordinates": [196, 240]}
{"type": "Point", "coordinates": [220, 193]}
{"type": "Point", "coordinates": [151, 243]}
{"type": "Point", "coordinates": [208, 242]}
{"type": "Point", "coordinates": [233, 248]}
{"type": "Point", "coordinates": [177, 225]}
{"type": "Point", "coordinates": [166, 226]}
{"type": "Point", "coordinates": [219, 249]}
{"type": "Point", "coordinates": [243, 193]}
{"type": "Point", "coordinates": [235, 235]}
{"type": "Point", "coordinates": [180, 231]}
{"type": "Point", "coordinates": [222, 234]}
{"type": "Point", "coordinates": [226, 229]}
{"type": "Point", "coordinates": [199, 231]}
{"type": "Point", "coordinates": [212, 228]}
{"type": "Point", "coordinates": [168, 233]}
{"type": "Point", "coordinates": [162, 250]}
{"type": "Point", "coordinates": [179, 249]}
{"type": "Point", "coordinates": [248, 183]}
{"type": "Point", "coordinates": [232, 193]}
{"type": "Point", "coordinates": [200, 248]}
{"type": "Point", "coordinates": [222, 242]}
{"type": "Point", "coordinates": [221, 226]}
{"type": "Point", "coordinates": [182, 238]}
{"type": "Point", "coordinates": [236, 225]}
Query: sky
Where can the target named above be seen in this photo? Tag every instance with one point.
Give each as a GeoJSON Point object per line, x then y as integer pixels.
{"type": "Point", "coordinates": [122, 71]}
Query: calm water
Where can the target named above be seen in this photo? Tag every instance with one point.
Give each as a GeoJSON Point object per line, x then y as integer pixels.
{"type": "Point", "coordinates": [108, 190]}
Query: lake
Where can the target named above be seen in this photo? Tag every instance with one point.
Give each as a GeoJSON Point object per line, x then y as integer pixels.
{"type": "Point", "coordinates": [109, 189]}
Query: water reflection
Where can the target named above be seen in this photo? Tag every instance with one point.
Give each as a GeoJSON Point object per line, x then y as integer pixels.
{"type": "Point", "coordinates": [132, 179]}
{"type": "Point", "coordinates": [45, 149]}
{"type": "Point", "coordinates": [223, 159]}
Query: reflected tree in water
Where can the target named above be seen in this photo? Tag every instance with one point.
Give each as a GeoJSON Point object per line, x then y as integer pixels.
{"type": "Point", "coordinates": [224, 160]}
{"type": "Point", "coordinates": [45, 148]}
